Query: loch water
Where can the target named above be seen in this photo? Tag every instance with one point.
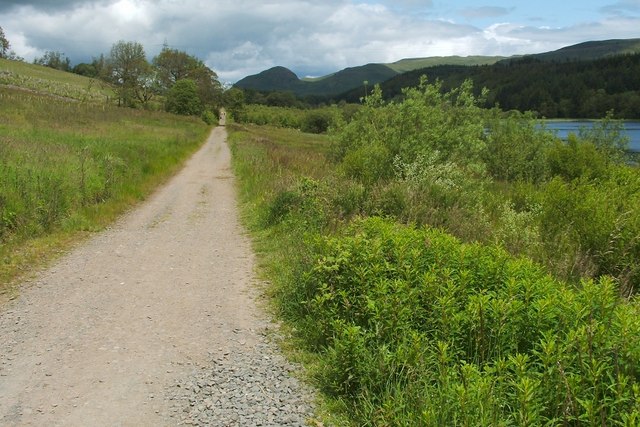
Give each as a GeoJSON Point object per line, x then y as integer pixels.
{"type": "Point", "coordinates": [564, 128]}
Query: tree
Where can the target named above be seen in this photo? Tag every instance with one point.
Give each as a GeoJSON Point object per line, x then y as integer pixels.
{"type": "Point", "coordinates": [4, 44]}
{"type": "Point", "coordinates": [128, 69]}
{"type": "Point", "coordinates": [233, 100]}
{"type": "Point", "coordinates": [54, 59]}
{"type": "Point", "coordinates": [84, 69]}
{"type": "Point", "coordinates": [183, 98]}
{"type": "Point", "coordinates": [173, 65]}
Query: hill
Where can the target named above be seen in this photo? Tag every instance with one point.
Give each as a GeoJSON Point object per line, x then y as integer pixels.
{"type": "Point", "coordinates": [591, 50]}
{"type": "Point", "coordinates": [410, 64]}
{"type": "Point", "coordinates": [348, 84]}
{"type": "Point", "coordinates": [282, 79]}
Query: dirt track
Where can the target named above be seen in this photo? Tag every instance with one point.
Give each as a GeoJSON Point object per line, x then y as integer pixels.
{"type": "Point", "coordinates": [98, 338]}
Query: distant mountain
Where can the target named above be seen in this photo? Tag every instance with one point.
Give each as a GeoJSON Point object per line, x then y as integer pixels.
{"type": "Point", "coordinates": [273, 79]}
{"type": "Point", "coordinates": [283, 79]}
{"type": "Point", "coordinates": [348, 84]}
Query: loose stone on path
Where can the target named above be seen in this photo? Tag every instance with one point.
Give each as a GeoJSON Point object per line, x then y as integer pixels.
{"type": "Point", "coordinates": [251, 386]}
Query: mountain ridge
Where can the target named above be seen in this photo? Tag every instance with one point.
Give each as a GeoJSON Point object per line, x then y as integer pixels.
{"type": "Point", "coordinates": [280, 78]}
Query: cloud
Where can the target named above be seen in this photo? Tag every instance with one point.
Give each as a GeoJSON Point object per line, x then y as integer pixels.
{"type": "Point", "coordinates": [310, 37]}
{"type": "Point", "coordinates": [622, 8]}
{"type": "Point", "coordinates": [530, 39]}
{"type": "Point", "coordinates": [45, 5]}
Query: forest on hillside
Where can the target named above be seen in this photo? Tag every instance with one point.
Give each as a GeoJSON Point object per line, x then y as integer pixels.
{"type": "Point", "coordinates": [569, 89]}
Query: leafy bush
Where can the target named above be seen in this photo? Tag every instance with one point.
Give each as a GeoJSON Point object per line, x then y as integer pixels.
{"type": "Point", "coordinates": [412, 327]}
{"type": "Point", "coordinates": [183, 99]}
{"type": "Point", "coordinates": [317, 121]}
{"type": "Point", "coordinates": [516, 150]}
{"type": "Point", "coordinates": [209, 117]}
{"type": "Point", "coordinates": [462, 334]}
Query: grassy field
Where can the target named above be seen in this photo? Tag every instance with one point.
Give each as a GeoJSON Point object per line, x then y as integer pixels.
{"type": "Point", "coordinates": [53, 82]}
{"type": "Point", "coordinates": [69, 167]}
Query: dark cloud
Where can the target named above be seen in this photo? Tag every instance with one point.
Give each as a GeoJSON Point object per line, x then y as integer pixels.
{"type": "Point", "coordinates": [45, 5]}
{"type": "Point", "coordinates": [622, 8]}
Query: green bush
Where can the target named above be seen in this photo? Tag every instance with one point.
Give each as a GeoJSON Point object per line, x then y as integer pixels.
{"type": "Point", "coordinates": [183, 99]}
{"type": "Point", "coordinates": [209, 118]}
{"type": "Point", "coordinates": [317, 121]}
{"type": "Point", "coordinates": [516, 149]}
{"type": "Point", "coordinates": [462, 334]}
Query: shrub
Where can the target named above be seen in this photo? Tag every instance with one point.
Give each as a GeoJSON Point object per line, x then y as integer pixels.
{"type": "Point", "coordinates": [317, 121]}
{"type": "Point", "coordinates": [462, 332]}
{"type": "Point", "coordinates": [209, 118]}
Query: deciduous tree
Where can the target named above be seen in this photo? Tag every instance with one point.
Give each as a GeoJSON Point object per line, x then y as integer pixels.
{"type": "Point", "coordinates": [174, 65]}
{"type": "Point", "coordinates": [129, 70]}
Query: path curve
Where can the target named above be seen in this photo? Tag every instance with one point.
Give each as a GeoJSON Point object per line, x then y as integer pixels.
{"type": "Point", "coordinates": [100, 337]}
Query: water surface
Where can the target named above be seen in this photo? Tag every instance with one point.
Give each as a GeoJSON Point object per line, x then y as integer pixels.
{"type": "Point", "coordinates": [564, 128]}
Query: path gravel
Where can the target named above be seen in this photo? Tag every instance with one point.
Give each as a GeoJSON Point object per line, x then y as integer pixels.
{"type": "Point", "coordinates": [153, 322]}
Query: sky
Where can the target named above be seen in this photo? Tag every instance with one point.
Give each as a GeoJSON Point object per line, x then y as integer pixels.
{"type": "Point", "coordinates": [311, 37]}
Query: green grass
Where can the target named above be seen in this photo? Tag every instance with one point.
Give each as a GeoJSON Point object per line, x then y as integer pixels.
{"type": "Point", "coordinates": [411, 64]}
{"type": "Point", "coordinates": [47, 80]}
{"type": "Point", "coordinates": [68, 168]}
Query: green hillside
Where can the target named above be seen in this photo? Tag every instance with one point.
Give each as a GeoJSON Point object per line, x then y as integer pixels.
{"type": "Point", "coordinates": [283, 79]}
{"type": "Point", "coordinates": [68, 167]}
{"type": "Point", "coordinates": [411, 64]}
{"type": "Point", "coordinates": [555, 84]}
{"type": "Point", "coordinates": [53, 82]}
{"type": "Point", "coordinates": [592, 50]}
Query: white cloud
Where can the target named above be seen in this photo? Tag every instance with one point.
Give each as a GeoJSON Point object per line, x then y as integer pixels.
{"type": "Point", "coordinates": [312, 38]}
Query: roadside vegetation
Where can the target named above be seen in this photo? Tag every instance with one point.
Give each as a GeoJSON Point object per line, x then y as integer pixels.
{"type": "Point", "coordinates": [67, 167]}
{"type": "Point", "coordinates": [71, 161]}
{"type": "Point", "coordinates": [447, 265]}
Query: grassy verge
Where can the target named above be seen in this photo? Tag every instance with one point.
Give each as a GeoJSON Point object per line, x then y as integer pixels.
{"type": "Point", "coordinates": [67, 168]}
{"type": "Point", "coordinates": [407, 325]}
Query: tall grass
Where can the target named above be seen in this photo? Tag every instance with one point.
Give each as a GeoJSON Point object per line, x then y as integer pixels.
{"type": "Point", "coordinates": [68, 166]}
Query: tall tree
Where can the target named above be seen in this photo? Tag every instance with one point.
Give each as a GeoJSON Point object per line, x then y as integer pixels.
{"type": "Point", "coordinates": [4, 44]}
{"type": "Point", "coordinates": [129, 70]}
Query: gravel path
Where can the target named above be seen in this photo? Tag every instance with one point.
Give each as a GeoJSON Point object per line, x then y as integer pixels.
{"type": "Point", "coordinates": [153, 322]}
